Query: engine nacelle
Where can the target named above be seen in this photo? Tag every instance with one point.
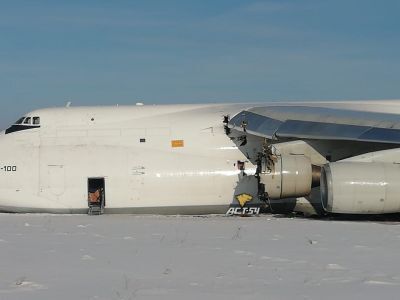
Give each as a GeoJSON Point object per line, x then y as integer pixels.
{"type": "Point", "coordinates": [291, 177]}
{"type": "Point", "coordinates": [360, 187]}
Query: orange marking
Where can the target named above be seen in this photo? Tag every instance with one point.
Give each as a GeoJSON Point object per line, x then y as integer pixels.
{"type": "Point", "coordinates": [177, 143]}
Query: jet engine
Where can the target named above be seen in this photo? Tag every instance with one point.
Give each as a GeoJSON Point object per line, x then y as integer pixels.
{"type": "Point", "coordinates": [290, 176]}
{"type": "Point", "coordinates": [361, 187]}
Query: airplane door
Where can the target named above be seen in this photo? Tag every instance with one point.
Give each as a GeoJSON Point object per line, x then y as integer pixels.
{"type": "Point", "coordinates": [96, 196]}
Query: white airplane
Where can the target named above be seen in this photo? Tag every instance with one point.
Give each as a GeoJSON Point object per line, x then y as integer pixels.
{"type": "Point", "coordinates": [313, 158]}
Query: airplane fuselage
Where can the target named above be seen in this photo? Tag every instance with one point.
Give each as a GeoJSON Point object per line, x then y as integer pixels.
{"type": "Point", "coordinates": [173, 159]}
{"type": "Point", "coordinates": [164, 159]}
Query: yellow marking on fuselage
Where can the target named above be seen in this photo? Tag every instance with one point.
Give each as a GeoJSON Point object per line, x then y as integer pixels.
{"type": "Point", "coordinates": [243, 199]}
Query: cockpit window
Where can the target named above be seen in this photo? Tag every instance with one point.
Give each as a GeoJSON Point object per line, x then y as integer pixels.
{"type": "Point", "coordinates": [36, 120]}
{"type": "Point", "coordinates": [24, 123]}
{"type": "Point", "coordinates": [20, 121]}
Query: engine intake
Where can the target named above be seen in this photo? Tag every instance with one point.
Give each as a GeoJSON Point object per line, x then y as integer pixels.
{"type": "Point", "coordinates": [360, 187]}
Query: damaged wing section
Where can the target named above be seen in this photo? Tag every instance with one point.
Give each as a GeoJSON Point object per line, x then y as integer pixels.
{"type": "Point", "coordinates": [274, 122]}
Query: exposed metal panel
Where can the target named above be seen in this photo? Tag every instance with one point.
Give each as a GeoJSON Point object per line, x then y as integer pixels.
{"type": "Point", "coordinates": [270, 126]}
{"type": "Point", "coordinates": [318, 130]}
{"type": "Point", "coordinates": [383, 135]}
{"type": "Point", "coordinates": [329, 115]}
{"type": "Point", "coordinates": [237, 120]}
{"type": "Point", "coordinates": [255, 123]}
{"type": "Point", "coordinates": [318, 123]}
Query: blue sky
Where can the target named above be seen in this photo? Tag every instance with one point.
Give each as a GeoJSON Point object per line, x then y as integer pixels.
{"type": "Point", "coordinates": [109, 52]}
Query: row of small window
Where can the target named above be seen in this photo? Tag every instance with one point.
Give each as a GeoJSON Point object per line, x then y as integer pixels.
{"type": "Point", "coordinates": [29, 121]}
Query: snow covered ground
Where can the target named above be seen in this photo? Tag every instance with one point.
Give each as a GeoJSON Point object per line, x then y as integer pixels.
{"type": "Point", "coordinates": [216, 257]}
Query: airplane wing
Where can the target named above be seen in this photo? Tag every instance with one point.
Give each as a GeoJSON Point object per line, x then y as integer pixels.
{"type": "Point", "coordinates": [317, 123]}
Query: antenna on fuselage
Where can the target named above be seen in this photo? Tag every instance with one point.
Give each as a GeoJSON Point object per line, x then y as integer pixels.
{"type": "Point", "coordinates": [68, 104]}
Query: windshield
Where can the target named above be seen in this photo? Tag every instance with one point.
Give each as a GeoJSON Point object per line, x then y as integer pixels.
{"type": "Point", "coordinates": [20, 120]}
{"type": "Point", "coordinates": [24, 123]}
